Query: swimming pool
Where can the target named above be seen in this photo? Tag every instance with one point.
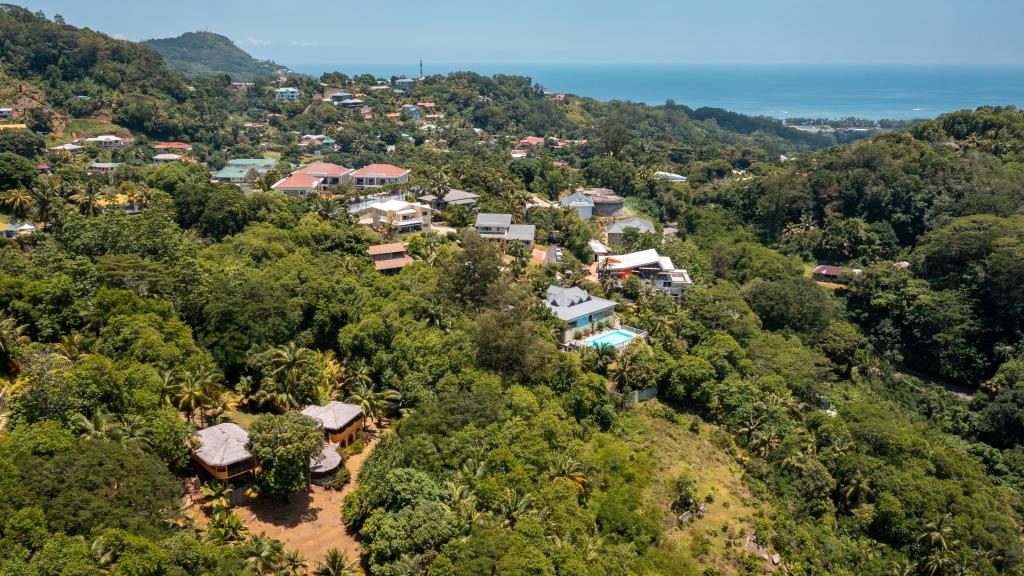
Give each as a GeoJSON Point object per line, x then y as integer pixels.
{"type": "Point", "coordinates": [615, 339]}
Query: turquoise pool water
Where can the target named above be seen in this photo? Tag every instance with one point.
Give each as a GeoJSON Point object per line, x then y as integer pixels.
{"type": "Point", "coordinates": [616, 339]}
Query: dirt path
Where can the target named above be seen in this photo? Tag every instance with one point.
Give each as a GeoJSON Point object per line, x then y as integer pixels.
{"type": "Point", "coordinates": [310, 523]}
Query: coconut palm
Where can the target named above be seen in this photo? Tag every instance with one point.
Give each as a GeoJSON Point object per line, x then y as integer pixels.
{"type": "Point", "coordinates": [190, 394]}
{"type": "Point", "coordinates": [47, 196]}
{"type": "Point", "coordinates": [12, 335]}
{"type": "Point", "coordinates": [100, 426]}
{"type": "Point", "coordinates": [372, 401]}
{"type": "Point", "coordinates": [937, 534]}
{"type": "Point", "coordinates": [219, 401]}
{"type": "Point", "coordinates": [336, 563]}
{"type": "Point", "coordinates": [88, 198]}
{"type": "Point", "coordinates": [288, 362]}
{"type": "Point", "coordinates": [17, 199]}
{"type": "Point", "coordinates": [262, 555]}
{"type": "Point", "coordinates": [858, 490]}
{"type": "Point", "coordinates": [133, 431]}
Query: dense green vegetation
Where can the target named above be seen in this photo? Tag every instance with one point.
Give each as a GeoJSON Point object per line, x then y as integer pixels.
{"type": "Point", "coordinates": [209, 54]}
{"type": "Point", "coordinates": [122, 334]}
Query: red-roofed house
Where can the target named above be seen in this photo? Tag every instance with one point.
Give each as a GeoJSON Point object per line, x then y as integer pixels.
{"type": "Point", "coordinates": [532, 141]}
{"type": "Point", "coordinates": [177, 146]}
{"type": "Point", "coordinates": [331, 175]}
{"type": "Point", "coordinates": [299, 185]}
{"type": "Point", "coordinates": [377, 175]}
{"type": "Point", "coordinates": [427, 105]}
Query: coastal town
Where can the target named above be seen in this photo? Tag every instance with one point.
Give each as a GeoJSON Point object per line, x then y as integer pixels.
{"type": "Point", "coordinates": [269, 321]}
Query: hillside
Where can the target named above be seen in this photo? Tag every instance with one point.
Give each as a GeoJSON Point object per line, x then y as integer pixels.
{"type": "Point", "coordinates": [209, 54]}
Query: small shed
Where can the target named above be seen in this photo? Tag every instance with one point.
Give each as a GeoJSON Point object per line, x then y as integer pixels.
{"type": "Point", "coordinates": [222, 451]}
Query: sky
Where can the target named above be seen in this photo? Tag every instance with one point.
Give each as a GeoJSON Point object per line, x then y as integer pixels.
{"type": "Point", "coordinates": [655, 32]}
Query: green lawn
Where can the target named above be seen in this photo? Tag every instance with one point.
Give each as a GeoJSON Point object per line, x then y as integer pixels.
{"type": "Point", "coordinates": [243, 419]}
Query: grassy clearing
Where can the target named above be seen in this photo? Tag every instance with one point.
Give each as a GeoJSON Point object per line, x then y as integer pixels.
{"type": "Point", "coordinates": [243, 419]}
{"type": "Point", "coordinates": [86, 128]}
{"type": "Point", "coordinates": [716, 540]}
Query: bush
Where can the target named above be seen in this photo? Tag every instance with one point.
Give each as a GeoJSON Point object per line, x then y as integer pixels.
{"type": "Point", "coordinates": [354, 448]}
{"type": "Point", "coordinates": [339, 480]}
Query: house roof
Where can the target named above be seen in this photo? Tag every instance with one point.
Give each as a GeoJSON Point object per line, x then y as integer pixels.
{"type": "Point", "coordinates": [522, 232]}
{"type": "Point", "coordinates": [636, 259]}
{"type": "Point", "coordinates": [334, 415]}
{"type": "Point", "coordinates": [532, 141]}
{"type": "Point", "coordinates": [460, 196]}
{"type": "Point", "coordinates": [598, 248]}
{"type": "Point", "coordinates": [597, 191]}
{"type": "Point", "coordinates": [69, 147]}
{"type": "Point", "coordinates": [829, 270]}
{"type": "Point", "coordinates": [577, 199]}
{"type": "Point", "coordinates": [670, 176]}
{"type": "Point", "coordinates": [608, 199]}
{"type": "Point", "coordinates": [222, 445]}
{"type": "Point", "coordinates": [167, 157]}
{"type": "Point", "coordinates": [253, 162]}
{"type": "Point", "coordinates": [298, 182]}
{"type": "Point", "coordinates": [104, 165]}
{"type": "Point", "coordinates": [395, 205]}
{"type": "Point", "coordinates": [392, 248]}
{"type": "Point", "coordinates": [327, 460]}
{"type": "Point", "coordinates": [572, 303]}
{"type": "Point", "coordinates": [392, 263]}
{"type": "Point", "coordinates": [231, 173]}
{"type": "Point", "coordinates": [380, 171]}
{"type": "Point", "coordinates": [104, 138]}
{"type": "Point", "coordinates": [493, 220]}
{"type": "Point", "coordinates": [324, 170]}
{"type": "Point", "coordinates": [640, 224]}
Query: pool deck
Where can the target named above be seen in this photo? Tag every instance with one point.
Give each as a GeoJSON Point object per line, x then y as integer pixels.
{"type": "Point", "coordinates": [588, 341]}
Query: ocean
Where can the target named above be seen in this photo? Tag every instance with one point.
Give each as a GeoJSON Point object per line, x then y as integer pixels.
{"type": "Point", "coordinates": [885, 92]}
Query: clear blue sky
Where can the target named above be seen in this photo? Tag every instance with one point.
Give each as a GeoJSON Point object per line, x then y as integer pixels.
{"type": "Point", "coordinates": [754, 32]}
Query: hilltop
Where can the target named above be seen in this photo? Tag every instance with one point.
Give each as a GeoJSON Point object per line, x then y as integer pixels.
{"type": "Point", "coordinates": [209, 54]}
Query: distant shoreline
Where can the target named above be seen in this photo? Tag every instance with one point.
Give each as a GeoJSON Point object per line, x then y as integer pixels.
{"type": "Point", "coordinates": [830, 92]}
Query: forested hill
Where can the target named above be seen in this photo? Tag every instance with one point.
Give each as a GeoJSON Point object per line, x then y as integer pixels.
{"type": "Point", "coordinates": [209, 54]}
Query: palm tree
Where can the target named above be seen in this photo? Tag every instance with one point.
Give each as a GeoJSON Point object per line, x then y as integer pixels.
{"type": "Point", "coordinates": [513, 201]}
{"type": "Point", "coordinates": [99, 427]}
{"type": "Point", "coordinates": [48, 193]}
{"type": "Point", "coordinates": [219, 401]}
{"type": "Point", "coordinates": [570, 469]}
{"type": "Point", "coordinates": [191, 392]}
{"type": "Point", "coordinates": [88, 198]}
{"type": "Point", "coordinates": [288, 361]}
{"type": "Point", "coordinates": [372, 402]}
{"type": "Point", "coordinates": [294, 563]}
{"type": "Point", "coordinates": [336, 563]}
{"type": "Point", "coordinates": [515, 507]}
{"type": "Point", "coordinates": [17, 199]}
{"type": "Point", "coordinates": [937, 533]}
{"type": "Point", "coordinates": [858, 490]}
{"type": "Point", "coordinates": [12, 335]}
{"type": "Point", "coordinates": [73, 347]}
{"type": "Point", "coordinates": [133, 431]}
{"type": "Point", "coordinates": [225, 527]}
{"type": "Point", "coordinates": [262, 555]}
{"type": "Point", "coordinates": [217, 494]}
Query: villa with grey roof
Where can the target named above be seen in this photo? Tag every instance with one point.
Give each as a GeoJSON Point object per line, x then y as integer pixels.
{"type": "Point", "coordinates": [584, 313]}
{"type": "Point", "coordinates": [339, 421]}
{"type": "Point", "coordinates": [616, 229]}
{"type": "Point", "coordinates": [580, 202]}
{"type": "Point", "coordinates": [222, 451]}
{"type": "Point", "coordinates": [500, 227]}
{"type": "Point", "coordinates": [452, 198]}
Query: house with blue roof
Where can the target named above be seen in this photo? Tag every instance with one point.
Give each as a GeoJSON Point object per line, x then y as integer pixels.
{"type": "Point", "coordinates": [581, 203]}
